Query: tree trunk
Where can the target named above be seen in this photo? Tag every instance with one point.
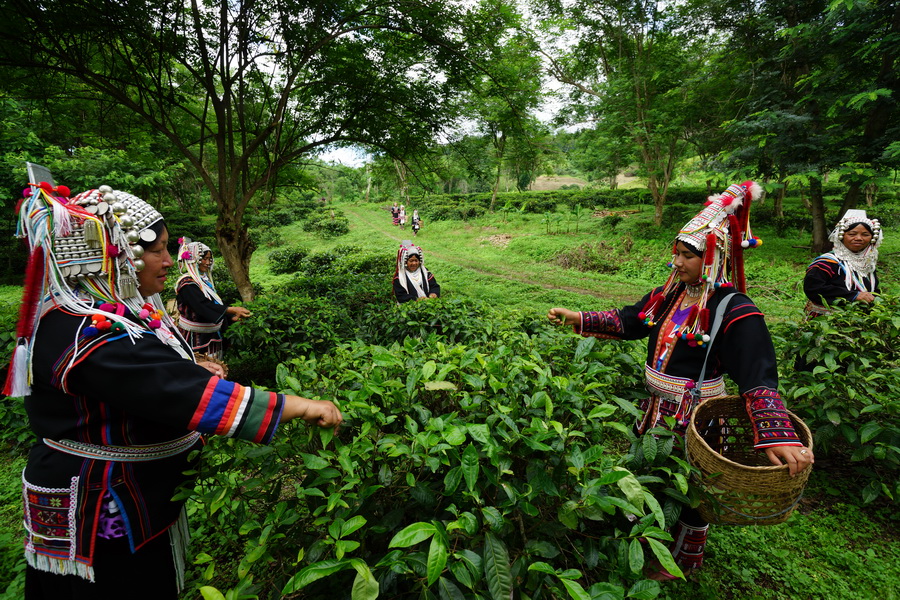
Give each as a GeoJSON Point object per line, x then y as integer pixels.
{"type": "Point", "coordinates": [659, 199]}
{"type": "Point", "coordinates": [368, 180]}
{"type": "Point", "coordinates": [817, 208]}
{"type": "Point", "coordinates": [500, 145]}
{"type": "Point", "coordinates": [871, 193]}
{"type": "Point", "coordinates": [778, 205]}
{"type": "Point", "coordinates": [401, 177]}
{"type": "Point", "coordinates": [236, 249]}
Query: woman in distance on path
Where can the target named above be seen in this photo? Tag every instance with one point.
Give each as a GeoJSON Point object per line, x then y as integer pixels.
{"type": "Point", "coordinates": [412, 281]}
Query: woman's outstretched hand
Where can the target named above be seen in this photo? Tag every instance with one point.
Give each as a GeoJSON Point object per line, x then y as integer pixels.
{"type": "Point", "coordinates": [315, 412]}
{"type": "Point", "coordinates": [563, 316]}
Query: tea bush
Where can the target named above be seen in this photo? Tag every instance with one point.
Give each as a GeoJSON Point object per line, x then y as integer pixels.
{"type": "Point", "coordinates": [461, 471]}
{"type": "Point", "coordinates": [327, 224]}
{"type": "Point", "coordinates": [851, 397]}
{"type": "Point", "coordinates": [287, 260]}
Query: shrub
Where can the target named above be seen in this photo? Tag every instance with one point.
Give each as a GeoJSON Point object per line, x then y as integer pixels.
{"type": "Point", "coordinates": [327, 224]}
{"type": "Point", "coordinates": [851, 397]}
{"type": "Point", "coordinates": [287, 260]}
{"type": "Point", "coordinates": [491, 471]}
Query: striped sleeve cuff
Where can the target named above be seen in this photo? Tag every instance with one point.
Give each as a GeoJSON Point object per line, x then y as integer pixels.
{"type": "Point", "coordinates": [606, 324]}
{"type": "Point", "coordinates": [771, 423]}
{"type": "Point", "coordinates": [233, 410]}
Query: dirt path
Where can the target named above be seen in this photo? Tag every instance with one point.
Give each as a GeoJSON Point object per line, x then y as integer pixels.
{"type": "Point", "coordinates": [390, 232]}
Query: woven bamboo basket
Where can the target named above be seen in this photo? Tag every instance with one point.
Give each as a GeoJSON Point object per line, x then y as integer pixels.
{"type": "Point", "coordinates": [741, 486]}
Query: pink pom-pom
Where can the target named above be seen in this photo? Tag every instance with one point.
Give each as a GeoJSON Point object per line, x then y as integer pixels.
{"type": "Point", "coordinates": [26, 192]}
{"type": "Point", "coordinates": [186, 255]}
{"type": "Point", "coordinates": [154, 324]}
{"type": "Point", "coordinates": [181, 240]}
{"type": "Point", "coordinates": [62, 190]}
{"type": "Point", "coordinates": [689, 385]}
{"type": "Point", "coordinates": [107, 307]}
{"type": "Point", "coordinates": [113, 251]}
{"type": "Point", "coordinates": [144, 314]}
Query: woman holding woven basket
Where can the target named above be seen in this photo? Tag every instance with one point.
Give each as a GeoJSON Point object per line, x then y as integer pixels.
{"type": "Point", "coordinates": [678, 319]}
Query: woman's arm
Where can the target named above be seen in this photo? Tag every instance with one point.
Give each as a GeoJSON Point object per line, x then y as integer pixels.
{"type": "Point", "coordinates": [745, 351]}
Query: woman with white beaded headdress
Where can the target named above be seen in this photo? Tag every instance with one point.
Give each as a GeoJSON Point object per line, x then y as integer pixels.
{"type": "Point", "coordinates": [706, 285]}
{"type": "Point", "coordinates": [848, 271]}
{"type": "Point", "coordinates": [412, 281]}
{"type": "Point", "coordinates": [203, 316]}
{"type": "Point", "coordinates": [114, 399]}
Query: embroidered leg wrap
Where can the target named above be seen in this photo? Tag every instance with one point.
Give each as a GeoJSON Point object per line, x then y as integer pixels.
{"type": "Point", "coordinates": [688, 545]}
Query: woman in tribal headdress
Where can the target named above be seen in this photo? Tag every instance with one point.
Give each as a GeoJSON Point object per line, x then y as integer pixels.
{"type": "Point", "coordinates": [203, 317]}
{"type": "Point", "coordinates": [412, 281]}
{"type": "Point", "coordinates": [707, 270]}
{"type": "Point", "coordinates": [115, 400]}
{"type": "Point", "coordinates": [848, 271]}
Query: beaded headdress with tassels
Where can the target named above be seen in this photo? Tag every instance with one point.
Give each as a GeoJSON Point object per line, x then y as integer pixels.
{"type": "Point", "coordinates": [721, 231]}
{"type": "Point", "coordinates": [190, 253]}
{"type": "Point", "coordinates": [84, 256]}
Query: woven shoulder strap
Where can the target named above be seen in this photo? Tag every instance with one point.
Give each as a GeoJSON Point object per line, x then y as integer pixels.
{"type": "Point", "coordinates": [716, 324]}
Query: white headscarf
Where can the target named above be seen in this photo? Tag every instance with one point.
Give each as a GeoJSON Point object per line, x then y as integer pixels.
{"type": "Point", "coordinates": [419, 277]}
{"type": "Point", "coordinates": [189, 256]}
{"type": "Point", "coordinates": [859, 264]}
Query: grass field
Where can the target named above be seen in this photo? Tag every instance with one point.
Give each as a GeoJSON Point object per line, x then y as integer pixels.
{"type": "Point", "coordinates": [511, 260]}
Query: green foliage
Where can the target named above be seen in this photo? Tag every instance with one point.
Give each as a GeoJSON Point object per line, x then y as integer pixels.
{"type": "Point", "coordinates": [851, 396]}
{"type": "Point", "coordinates": [461, 470]}
{"type": "Point", "coordinates": [332, 295]}
{"type": "Point", "coordinates": [444, 207]}
{"type": "Point", "coordinates": [287, 260]}
{"type": "Point", "coordinates": [12, 567]}
{"type": "Point", "coordinates": [327, 224]}
{"type": "Point", "coordinates": [190, 225]}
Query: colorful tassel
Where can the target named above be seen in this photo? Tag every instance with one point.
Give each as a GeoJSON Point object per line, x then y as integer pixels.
{"type": "Point", "coordinates": [704, 319]}
{"type": "Point", "coordinates": [17, 380]}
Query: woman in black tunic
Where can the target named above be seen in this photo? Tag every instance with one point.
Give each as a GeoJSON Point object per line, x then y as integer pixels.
{"type": "Point", "coordinates": [848, 271]}
{"type": "Point", "coordinates": [115, 400]}
{"type": "Point", "coordinates": [412, 281]}
{"type": "Point", "coordinates": [203, 317]}
{"type": "Point", "coordinates": [676, 319]}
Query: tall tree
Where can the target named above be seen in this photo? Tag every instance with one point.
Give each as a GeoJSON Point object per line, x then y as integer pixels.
{"type": "Point", "coordinates": [824, 95]}
{"type": "Point", "coordinates": [242, 89]}
{"type": "Point", "coordinates": [506, 98]}
{"type": "Point", "coordinates": [627, 65]}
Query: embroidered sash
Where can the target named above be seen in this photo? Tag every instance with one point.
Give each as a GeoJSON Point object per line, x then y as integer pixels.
{"type": "Point", "coordinates": [125, 453]}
